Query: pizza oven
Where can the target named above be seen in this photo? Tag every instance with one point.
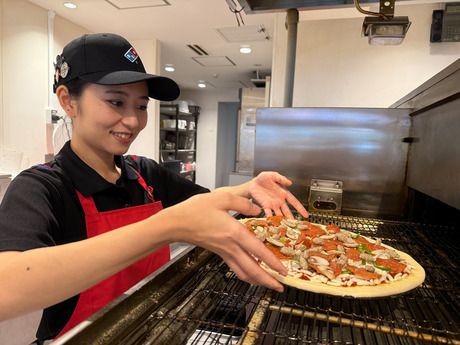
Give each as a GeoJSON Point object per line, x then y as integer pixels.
{"type": "Point", "coordinates": [398, 170]}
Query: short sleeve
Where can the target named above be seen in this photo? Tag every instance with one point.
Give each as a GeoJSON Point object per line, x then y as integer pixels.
{"type": "Point", "coordinates": [27, 212]}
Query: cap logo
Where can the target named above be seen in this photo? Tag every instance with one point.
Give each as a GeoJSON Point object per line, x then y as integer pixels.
{"type": "Point", "coordinates": [131, 55]}
{"type": "Point", "coordinates": [64, 70]}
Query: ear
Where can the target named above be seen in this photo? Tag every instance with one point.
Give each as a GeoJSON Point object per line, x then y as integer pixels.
{"type": "Point", "coordinates": [66, 101]}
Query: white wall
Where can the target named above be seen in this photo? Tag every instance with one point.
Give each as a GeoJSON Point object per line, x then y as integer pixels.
{"type": "Point", "coordinates": [148, 141]}
{"type": "Point", "coordinates": [24, 79]}
{"type": "Point", "coordinates": [24, 82]}
{"type": "Point", "coordinates": [207, 130]}
{"type": "Point", "coordinates": [336, 67]}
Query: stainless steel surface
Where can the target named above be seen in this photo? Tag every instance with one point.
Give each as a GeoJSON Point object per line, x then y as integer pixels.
{"type": "Point", "coordinates": [434, 156]}
{"type": "Point", "coordinates": [325, 196]}
{"type": "Point", "coordinates": [361, 147]}
{"type": "Point", "coordinates": [265, 6]}
{"type": "Point", "coordinates": [292, 19]}
{"type": "Point", "coordinates": [251, 99]}
{"type": "Point", "coordinates": [200, 300]}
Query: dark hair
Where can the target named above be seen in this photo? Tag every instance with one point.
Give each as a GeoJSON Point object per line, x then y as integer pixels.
{"type": "Point", "coordinates": [76, 87]}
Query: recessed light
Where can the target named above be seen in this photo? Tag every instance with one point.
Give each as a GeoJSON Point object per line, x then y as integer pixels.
{"type": "Point", "coordinates": [169, 68]}
{"type": "Point", "coordinates": [201, 84]}
{"type": "Point", "coordinates": [70, 5]}
{"type": "Point", "coordinates": [245, 50]}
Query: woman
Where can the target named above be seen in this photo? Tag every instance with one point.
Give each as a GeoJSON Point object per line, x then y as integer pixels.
{"type": "Point", "coordinates": [58, 250]}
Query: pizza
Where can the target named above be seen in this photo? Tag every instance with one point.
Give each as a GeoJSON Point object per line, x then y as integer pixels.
{"type": "Point", "coordinates": [330, 260]}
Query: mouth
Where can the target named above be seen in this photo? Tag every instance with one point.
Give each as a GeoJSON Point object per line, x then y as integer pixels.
{"type": "Point", "coordinates": [123, 137]}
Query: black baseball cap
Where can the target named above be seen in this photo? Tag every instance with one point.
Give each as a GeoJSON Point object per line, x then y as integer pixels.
{"type": "Point", "coordinates": [109, 59]}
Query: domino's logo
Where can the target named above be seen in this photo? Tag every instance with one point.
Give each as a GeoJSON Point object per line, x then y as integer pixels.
{"type": "Point", "coordinates": [131, 55]}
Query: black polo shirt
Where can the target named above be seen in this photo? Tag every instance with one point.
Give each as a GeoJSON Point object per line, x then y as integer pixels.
{"type": "Point", "coordinates": [41, 208]}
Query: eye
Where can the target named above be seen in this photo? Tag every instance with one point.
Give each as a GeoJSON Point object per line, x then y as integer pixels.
{"type": "Point", "coordinates": [115, 103]}
{"type": "Point", "coordinates": [143, 107]}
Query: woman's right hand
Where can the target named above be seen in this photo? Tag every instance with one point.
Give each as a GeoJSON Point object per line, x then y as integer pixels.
{"type": "Point", "coordinates": [204, 220]}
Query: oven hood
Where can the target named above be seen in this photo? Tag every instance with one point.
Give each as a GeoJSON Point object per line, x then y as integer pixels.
{"type": "Point", "coordinates": [266, 6]}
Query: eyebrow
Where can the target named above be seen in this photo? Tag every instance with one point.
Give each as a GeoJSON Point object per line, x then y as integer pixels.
{"type": "Point", "coordinates": [119, 92]}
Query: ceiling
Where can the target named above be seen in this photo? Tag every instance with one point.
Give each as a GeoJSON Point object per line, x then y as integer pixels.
{"type": "Point", "coordinates": [177, 23]}
{"type": "Point", "coordinates": [208, 24]}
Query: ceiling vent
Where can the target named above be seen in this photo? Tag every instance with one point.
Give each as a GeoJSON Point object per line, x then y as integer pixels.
{"type": "Point", "coordinates": [258, 80]}
{"type": "Point", "coordinates": [246, 33]}
{"type": "Point", "coordinates": [197, 49]}
{"type": "Point", "coordinates": [229, 84]}
{"type": "Point", "coordinates": [214, 61]}
{"type": "Point", "coordinates": [132, 4]}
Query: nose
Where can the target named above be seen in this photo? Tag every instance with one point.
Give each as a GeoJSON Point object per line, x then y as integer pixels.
{"type": "Point", "coordinates": [131, 119]}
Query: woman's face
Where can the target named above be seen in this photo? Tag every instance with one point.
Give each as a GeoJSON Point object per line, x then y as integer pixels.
{"type": "Point", "coordinates": [109, 117]}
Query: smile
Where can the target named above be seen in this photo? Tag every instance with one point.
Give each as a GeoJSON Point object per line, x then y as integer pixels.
{"type": "Point", "coordinates": [121, 135]}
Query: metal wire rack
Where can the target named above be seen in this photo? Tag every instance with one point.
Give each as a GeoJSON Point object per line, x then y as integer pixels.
{"type": "Point", "coordinates": [213, 307]}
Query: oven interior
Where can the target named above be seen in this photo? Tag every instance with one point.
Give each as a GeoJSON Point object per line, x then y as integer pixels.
{"type": "Point", "coordinates": [203, 302]}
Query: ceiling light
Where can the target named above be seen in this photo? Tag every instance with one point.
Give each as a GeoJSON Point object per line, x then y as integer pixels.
{"type": "Point", "coordinates": [245, 50]}
{"type": "Point", "coordinates": [169, 68]}
{"type": "Point", "coordinates": [383, 28]}
{"type": "Point", "coordinates": [201, 84]}
{"type": "Point", "coordinates": [384, 31]}
{"type": "Point", "coordinates": [70, 5]}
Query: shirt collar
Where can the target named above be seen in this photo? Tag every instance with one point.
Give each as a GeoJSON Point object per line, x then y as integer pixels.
{"type": "Point", "coordinates": [85, 179]}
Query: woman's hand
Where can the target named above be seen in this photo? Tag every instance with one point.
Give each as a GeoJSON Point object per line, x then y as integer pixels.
{"type": "Point", "coordinates": [269, 190]}
{"type": "Point", "coordinates": [203, 220]}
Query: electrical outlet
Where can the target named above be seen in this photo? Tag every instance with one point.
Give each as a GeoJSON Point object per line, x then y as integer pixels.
{"type": "Point", "coordinates": [49, 114]}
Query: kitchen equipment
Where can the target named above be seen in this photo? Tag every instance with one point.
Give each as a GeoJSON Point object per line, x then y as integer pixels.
{"type": "Point", "coordinates": [325, 196]}
{"type": "Point", "coordinates": [197, 299]}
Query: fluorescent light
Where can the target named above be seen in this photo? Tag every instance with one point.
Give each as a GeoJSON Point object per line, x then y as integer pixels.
{"type": "Point", "coordinates": [70, 5]}
{"type": "Point", "coordinates": [245, 50]}
{"type": "Point", "coordinates": [169, 68]}
{"type": "Point", "coordinates": [201, 84]}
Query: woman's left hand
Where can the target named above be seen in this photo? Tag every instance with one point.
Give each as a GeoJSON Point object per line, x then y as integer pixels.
{"type": "Point", "coordinates": [268, 189]}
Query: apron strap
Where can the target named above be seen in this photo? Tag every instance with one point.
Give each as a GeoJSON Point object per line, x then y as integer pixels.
{"type": "Point", "coordinates": [147, 188]}
{"type": "Point", "coordinates": [87, 202]}
{"type": "Point", "coordinates": [89, 205]}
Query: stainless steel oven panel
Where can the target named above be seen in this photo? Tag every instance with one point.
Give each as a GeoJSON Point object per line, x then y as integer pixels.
{"type": "Point", "coordinates": [361, 147]}
{"type": "Point", "coordinates": [434, 156]}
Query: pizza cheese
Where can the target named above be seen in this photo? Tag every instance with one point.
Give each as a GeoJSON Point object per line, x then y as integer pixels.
{"type": "Point", "coordinates": [316, 255]}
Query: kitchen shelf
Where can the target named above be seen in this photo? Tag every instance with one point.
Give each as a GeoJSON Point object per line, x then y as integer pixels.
{"type": "Point", "coordinates": [183, 139]}
{"type": "Point", "coordinates": [173, 130]}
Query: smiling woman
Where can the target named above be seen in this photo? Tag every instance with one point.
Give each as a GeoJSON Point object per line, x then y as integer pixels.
{"type": "Point", "coordinates": [78, 231]}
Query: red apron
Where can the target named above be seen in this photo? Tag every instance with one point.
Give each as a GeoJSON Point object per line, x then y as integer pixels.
{"type": "Point", "coordinates": [96, 297]}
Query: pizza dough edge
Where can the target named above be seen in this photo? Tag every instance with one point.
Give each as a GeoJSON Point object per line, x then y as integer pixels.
{"type": "Point", "coordinates": [413, 280]}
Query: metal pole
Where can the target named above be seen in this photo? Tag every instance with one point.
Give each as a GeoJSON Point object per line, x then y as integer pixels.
{"type": "Point", "coordinates": [292, 19]}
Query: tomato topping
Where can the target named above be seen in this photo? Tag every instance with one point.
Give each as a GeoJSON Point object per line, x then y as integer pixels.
{"type": "Point", "coordinates": [276, 250]}
{"type": "Point", "coordinates": [328, 257]}
{"type": "Point", "coordinates": [353, 254]}
{"type": "Point", "coordinates": [395, 266]}
{"type": "Point", "coordinates": [304, 277]}
{"type": "Point", "coordinates": [335, 267]}
{"type": "Point", "coordinates": [361, 240]}
{"type": "Point", "coordinates": [307, 242]}
{"type": "Point", "coordinates": [249, 227]}
{"type": "Point", "coordinates": [314, 231]}
{"type": "Point", "coordinates": [333, 228]}
{"type": "Point", "coordinates": [329, 245]}
{"type": "Point", "coordinates": [275, 220]}
{"type": "Point", "coordinates": [282, 232]}
{"type": "Point", "coordinates": [373, 247]}
{"type": "Point", "coordinates": [363, 273]}
{"type": "Point", "coordinates": [261, 222]}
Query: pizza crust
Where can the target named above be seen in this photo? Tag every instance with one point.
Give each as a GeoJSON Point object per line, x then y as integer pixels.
{"type": "Point", "coordinates": [413, 280]}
